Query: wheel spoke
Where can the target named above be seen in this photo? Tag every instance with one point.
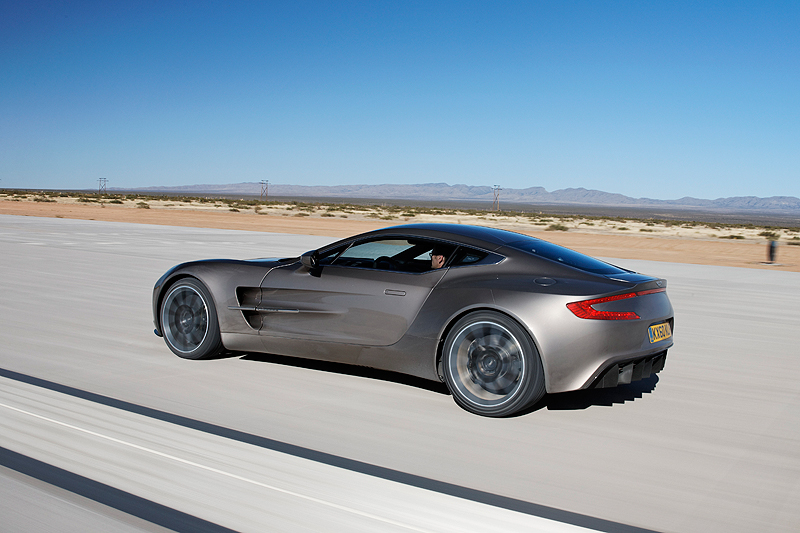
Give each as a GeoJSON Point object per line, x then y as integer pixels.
{"type": "Point", "coordinates": [180, 297]}
{"type": "Point", "coordinates": [194, 336]}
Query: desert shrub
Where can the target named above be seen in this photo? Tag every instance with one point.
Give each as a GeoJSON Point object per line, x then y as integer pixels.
{"type": "Point", "coordinates": [556, 227]}
{"type": "Point", "coordinates": [142, 205]}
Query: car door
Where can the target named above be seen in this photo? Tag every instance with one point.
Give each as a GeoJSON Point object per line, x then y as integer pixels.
{"type": "Point", "coordinates": [360, 295]}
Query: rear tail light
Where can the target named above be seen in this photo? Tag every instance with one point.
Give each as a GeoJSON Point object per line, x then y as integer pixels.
{"type": "Point", "coordinates": [585, 309]}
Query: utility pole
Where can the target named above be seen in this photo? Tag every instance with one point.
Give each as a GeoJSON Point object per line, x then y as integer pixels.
{"type": "Point", "coordinates": [102, 188]}
{"type": "Point", "coordinates": [496, 204]}
{"type": "Point", "coordinates": [264, 189]}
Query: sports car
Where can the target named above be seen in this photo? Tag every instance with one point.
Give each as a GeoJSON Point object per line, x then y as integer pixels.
{"type": "Point", "coordinates": [500, 317]}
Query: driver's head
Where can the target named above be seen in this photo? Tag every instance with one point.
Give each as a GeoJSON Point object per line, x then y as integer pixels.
{"type": "Point", "coordinates": [438, 257]}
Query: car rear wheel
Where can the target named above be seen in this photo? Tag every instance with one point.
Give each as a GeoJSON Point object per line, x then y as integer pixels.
{"type": "Point", "coordinates": [189, 321]}
{"type": "Point", "coordinates": [491, 365]}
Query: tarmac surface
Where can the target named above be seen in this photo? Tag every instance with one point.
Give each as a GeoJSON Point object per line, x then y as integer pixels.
{"type": "Point", "coordinates": [102, 428]}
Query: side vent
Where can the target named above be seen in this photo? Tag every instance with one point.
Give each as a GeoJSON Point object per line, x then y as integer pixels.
{"type": "Point", "coordinates": [249, 299]}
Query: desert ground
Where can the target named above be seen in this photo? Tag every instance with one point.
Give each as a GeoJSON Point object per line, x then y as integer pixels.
{"type": "Point", "coordinates": [682, 242]}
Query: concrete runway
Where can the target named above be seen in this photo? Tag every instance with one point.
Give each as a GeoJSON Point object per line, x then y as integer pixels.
{"type": "Point", "coordinates": [102, 428]}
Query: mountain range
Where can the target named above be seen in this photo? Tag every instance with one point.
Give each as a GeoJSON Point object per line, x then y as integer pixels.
{"type": "Point", "coordinates": [530, 195]}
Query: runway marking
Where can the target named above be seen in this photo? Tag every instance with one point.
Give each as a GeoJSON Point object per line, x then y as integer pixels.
{"type": "Point", "coordinates": [218, 471]}
{"type": "Point", "coordinates": [551, 514]}
{"type": "Point", "coordinates": [112, 497]}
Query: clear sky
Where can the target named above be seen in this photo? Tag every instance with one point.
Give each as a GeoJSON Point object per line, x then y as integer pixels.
{"type": "Point", "coordinates": [648, 99]}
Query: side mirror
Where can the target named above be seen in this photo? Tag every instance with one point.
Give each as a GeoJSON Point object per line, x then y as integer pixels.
{"type": "Point", "coordinates": [309, 259]}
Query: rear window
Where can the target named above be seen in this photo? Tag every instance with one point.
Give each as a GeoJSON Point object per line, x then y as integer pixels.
{"type": "Point", "coordinates": [468, 256]}
{"type": "Point", "coordinates": [559, 254]}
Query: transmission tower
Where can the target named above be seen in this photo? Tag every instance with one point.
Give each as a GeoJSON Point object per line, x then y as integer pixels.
{"type": "Point", "coordinates": [264, 189]}
{"type": "Point", "coordinates": [102, 188]}
{"type": "Point", "coordinates": [496, 203]}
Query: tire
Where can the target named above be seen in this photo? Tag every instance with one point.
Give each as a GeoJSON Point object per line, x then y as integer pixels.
{"type": "Point", "coordinates": [491, 365]}
{"type": "Point", "coordinates": [189, 321]}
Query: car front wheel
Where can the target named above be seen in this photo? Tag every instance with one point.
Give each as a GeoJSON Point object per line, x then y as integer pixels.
{"type": "Point", "coordinates": [189, 320]}
{"type": "Point", "coordinates": [491, 365]}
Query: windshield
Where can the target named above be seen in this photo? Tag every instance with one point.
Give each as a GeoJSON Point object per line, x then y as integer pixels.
{"type": "Point", "coordinates": [559, 254]}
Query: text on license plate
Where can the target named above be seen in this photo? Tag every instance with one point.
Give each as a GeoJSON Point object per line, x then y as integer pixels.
{"type": "Point", "coordinates": [659, 332]}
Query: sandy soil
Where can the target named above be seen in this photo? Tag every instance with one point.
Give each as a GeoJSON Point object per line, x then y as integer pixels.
{"type": "Point", "coordinates": [620, 239]}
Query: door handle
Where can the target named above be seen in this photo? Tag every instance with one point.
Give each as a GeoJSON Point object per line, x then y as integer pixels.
{"type": "Point", "coordinates": [394, 292]}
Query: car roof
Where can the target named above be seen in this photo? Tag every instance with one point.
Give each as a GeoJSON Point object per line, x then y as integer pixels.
{"type": "Point", "coordinates": [468, 234]}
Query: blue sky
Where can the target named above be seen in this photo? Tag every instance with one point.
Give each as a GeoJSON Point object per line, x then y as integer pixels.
{"type": "Point", "coordinates": [648, 99]}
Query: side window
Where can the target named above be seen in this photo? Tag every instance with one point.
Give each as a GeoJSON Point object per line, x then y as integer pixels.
{"type": "Point", "coordinates": [467, 256]}
{"type": "Point", "coordinates": [374, 249]}
{"type": "Point", "coordinates": [327, 257]}
{"type": "Point", "coordinates": [382, 254]}
{"type": "Point", "coordinates": [412, 255]}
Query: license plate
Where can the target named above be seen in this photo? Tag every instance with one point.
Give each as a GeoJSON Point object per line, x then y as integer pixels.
{"type": "Point", "coordinates": [659, 332]}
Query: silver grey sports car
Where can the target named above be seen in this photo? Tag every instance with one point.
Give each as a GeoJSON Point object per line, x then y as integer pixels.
{"type": "Point", "coordinates": [500, 317]}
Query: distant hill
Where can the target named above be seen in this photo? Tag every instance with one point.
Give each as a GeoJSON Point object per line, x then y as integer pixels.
{"type": "Point", "coordinates": [531, 195]}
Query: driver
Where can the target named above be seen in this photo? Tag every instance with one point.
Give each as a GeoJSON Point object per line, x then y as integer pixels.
{"type": "Point", "coordinates": [438, 257]}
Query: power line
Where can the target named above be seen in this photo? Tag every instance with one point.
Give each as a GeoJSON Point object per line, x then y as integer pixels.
{"type": "Point", "coordinates": [496, 203]}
